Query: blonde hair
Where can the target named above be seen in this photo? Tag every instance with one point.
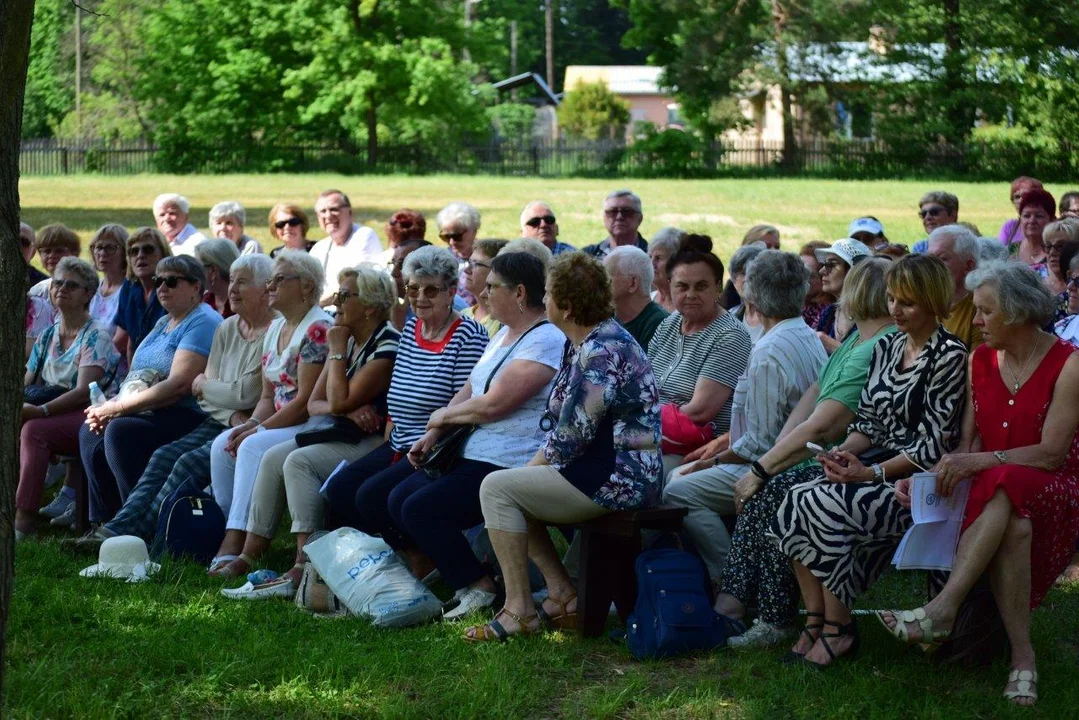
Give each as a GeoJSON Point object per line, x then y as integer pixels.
{"type": "Point", "coordinates": [374, 285]}
{"type": "Point", "coordinates": [923, 280]}
{"type": "Point", "coordinates": [757, 233]}
{"type": "Point", "coordinates": [864, 296]}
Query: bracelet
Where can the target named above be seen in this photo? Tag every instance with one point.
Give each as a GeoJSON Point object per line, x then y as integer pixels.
{"type": "Point", "coordinates": [759, 471]}
{"type": "Point", "coordinates": [878, 472]}
{"type": "Point", "coordinates": [44, 407]}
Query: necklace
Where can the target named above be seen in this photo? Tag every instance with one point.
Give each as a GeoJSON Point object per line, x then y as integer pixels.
{"type": "Point", "coordinates": [1008, 365]}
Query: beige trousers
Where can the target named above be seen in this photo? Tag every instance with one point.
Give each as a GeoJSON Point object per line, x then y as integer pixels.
{"type": "Point", "coordinates": [510, 498]}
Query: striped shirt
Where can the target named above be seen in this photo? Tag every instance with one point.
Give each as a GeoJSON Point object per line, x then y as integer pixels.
{"type": "Point", "coordinates": [785, 362]}
{"type": "Point", "coordinates": [428, 374]}
{"type": "Point", "coordinates": [719, 352]}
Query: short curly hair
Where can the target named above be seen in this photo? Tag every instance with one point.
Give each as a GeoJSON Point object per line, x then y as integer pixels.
{"type": "Point", "coordinates": [580, 286]}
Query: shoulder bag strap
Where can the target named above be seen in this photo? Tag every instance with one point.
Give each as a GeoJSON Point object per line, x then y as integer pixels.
{"type": "Point", "coordinates": [49, 332]}
{"type": "Point", "coordinates": [491, 377]}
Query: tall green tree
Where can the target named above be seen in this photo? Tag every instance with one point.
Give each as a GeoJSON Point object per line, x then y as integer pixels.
{"type": "Point", "coordinates": [50, 86]}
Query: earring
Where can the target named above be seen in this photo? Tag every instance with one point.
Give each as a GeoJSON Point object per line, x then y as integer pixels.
{"type": "Point", "coordinates": [520, 307]}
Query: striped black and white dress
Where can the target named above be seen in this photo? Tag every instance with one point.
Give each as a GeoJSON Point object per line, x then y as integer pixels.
{"type": "Point", "coordinates": [845, 534]}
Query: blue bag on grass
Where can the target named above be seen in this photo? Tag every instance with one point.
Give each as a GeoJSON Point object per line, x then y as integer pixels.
{"type": "Point", "coordinates": [189, 524]}
{"type": "Point", "coordinates": [673, 613]}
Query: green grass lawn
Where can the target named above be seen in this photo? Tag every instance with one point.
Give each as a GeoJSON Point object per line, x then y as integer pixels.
{"type": "Point", "coordinates": [803, 209]}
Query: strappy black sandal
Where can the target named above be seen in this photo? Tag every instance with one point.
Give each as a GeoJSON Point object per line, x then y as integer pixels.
{"type": "Point", "coordinates": [792, 657]}
{"type": "Point", "coordinates": [850, 629]}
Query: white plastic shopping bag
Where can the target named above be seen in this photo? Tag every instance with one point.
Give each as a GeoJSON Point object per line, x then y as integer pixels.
{"type": "Point", "coordinates": [366, 574]}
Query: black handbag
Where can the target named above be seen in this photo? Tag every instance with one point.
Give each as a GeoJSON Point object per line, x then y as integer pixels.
{"type": "Point", "coordinates": [441, 458]}
{"type": "Point", "coordinates": [37, 393]}
{"type": "Point", "coordinates": [342, 430]}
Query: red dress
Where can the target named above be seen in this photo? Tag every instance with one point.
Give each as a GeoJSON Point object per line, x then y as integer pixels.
{"type": "Point", "coordinates": [1049, 499]}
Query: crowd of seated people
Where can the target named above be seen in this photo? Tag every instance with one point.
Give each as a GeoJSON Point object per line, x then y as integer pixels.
{"type": "Point", "coordinates": [789, 394]}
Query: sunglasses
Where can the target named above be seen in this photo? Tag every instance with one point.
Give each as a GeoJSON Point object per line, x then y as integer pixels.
{"type": "Point", "coordinates": [538, 220]}
{"type": "Point", "coordinates": [931, 212]}
{"type": "Point", "coordinates": [278, 279]}
{"type": "Point", "coordinates": [831, 265]}
{"type": "Point", "coordinates": [620, 212]}
{"type": "Point", "coordinates": [25, 242]}
{"type": "Point", "coordinates": [451, 236]}
{"type": "Point", "coordinates": [1073, 281]}
{"type": "Point", "coordinates": [171, 281]}
{"type": "Point", "coordinates": [66, 285]}
{"type": "Point", "coordinates": [429, 291]}
{"type": "Point", "coordinates": [341, 296]}
{"type": "Point", "coordinates": [137, 250]}
{"type": "Point", "coordinates": [1053, 247]}
{"type": "Point", "coordinates": [291, 222]}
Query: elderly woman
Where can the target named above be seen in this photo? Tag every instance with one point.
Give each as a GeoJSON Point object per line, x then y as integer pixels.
{"type": "Point", "coordinates": [1020, 451]}
{"type": "Point", "coordinates": [404, 224]}
{"type": "Point", "coordinates": [698, 353]}
{"type": "Point", "coordinates": [868, 230]}
{"type": "Point", "coordinates": [755, 572]}
{"type": "Point", "coordinates": [227, 220]}
{"type": "Point", "coordinates": [352, 390]}
{"type": "Point", "coordinates": [107, 248]}
{"type": "Point", "coordinates": [504, 397]}
{"type": "Point", "coordinates": [740, 262]}
{"type": "Point", "coordinates": [289, 226]}
{"type": "Point", "coordinates": [840, 530]}
{"type": "Point", "coordinates": [766, 234]}
{"type": "Point", "coordinates": [226, 391]}
{"type": "Point", "coordinates": [1061, 241]}
{"type": "Point", "coordinates": [784, 363]}
{"type": "Point", "coordinates": [294, 352]}
{"type": "Point", "coordinates": [816, 299]}
{"type": "Point", "coordinates": [138, 308]}
{"type": "Point", "coordinates": [68, 356]}
{"type": "Point", "coordinates": [217, 255]}
{"type": "Point", "coordinates": [1010, 232]}
{"type": "Point", "coordinates": [661, 248]}
{"type": "Point", "coordinates": [120, 436]}
{"type": "Point", "coordinates": [458, 224]}
{"type": "Point", "coordinates": [1036, 210]}
{"type": "Point", "coordinates": [1069, 205]}
{"type": "Point", "coordinates": [437, 352]}
{"type": "Point", "coordinates": [600, 453]}
{"type": "Point", "coordinates": [835, 262]}
{"type": "Point", "coordinates": [54, 242]}
{"type": "Point", "coordinates": [476, 272]}
{"type": "Point", "coordinates": [1068, 328]}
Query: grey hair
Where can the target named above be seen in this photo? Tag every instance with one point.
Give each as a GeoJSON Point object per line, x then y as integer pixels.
{"type": "Point", "coordinates": [307, 267]}
{"type": "Point", "coordinates": [260, 266]}
{"type": "Point", "coordinates": [529, 206]}
{"type": "Point", "coordinates": [432, 262]}
{"type": "Point", "coordinates": [219, 252]}
{"type": "Point", "coordinates": [82, 270]}
{"type": "Point", "coordinates": [185, 265]}
{"type": "Point", "coordinates": [458, 212]}
{"type": "Point", "coordinates": [375, 286]}
{"type": "Point", "coordinates": [228, 208]}
{"type": "Point", "coordinates": [635, 200]}
{"type": "Point", "coordinates": [776, 284]}
{"type": "Point", "coordinates": [964, 242]}
{"type": "Point", "coordinates": [1024, 298]}
{"type": "Point", "coordinates": [25, 228]}
{"type": "Point", "coordinates": [1073, 264]}
{"type": "Point", "coordinates": [742, 257]}
{"type": "Point", "coordinates": [668, 238]}
{"type": "Point", "coordinates": [990, 249]}
{"type": "Point", "coordinates": [1069, 226]}
{"type": "Point", "coordinates": [532, 246]}
{"type": "Point", "coordinates": [631, 260]}
{"type": "Point", "coordinates": [172, 199]}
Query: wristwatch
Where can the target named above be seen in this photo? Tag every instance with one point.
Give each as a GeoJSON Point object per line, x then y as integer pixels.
{"type": "Point", "coordinates": [878, 472]}
{"type": "Point", "coordinates": [1001, 456]}
{"type": "Point", "coordinates": [45, 410]}
{"type": "Point", "coordinates": [336, 356]}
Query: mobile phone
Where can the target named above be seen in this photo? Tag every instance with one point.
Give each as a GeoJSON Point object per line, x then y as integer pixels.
{"type": "Point", "coordinates": [814, 447]}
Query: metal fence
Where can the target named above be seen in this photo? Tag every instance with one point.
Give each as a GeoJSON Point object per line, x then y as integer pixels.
{"type": "Point", "coordinates": [676, 155]}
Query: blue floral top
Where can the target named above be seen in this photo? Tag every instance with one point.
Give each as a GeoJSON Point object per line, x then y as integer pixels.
{"type": "Point", "coordinates": [606, 438]}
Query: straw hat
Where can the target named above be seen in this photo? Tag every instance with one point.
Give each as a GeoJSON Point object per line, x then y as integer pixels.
{"type": "Point", "coordinates": [123, 557]}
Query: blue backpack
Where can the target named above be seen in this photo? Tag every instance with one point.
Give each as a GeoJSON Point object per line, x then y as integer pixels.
{"type": "Point", "coordinates": [673, 613]}
{"type": "Point", "coordinates": [189, 524]}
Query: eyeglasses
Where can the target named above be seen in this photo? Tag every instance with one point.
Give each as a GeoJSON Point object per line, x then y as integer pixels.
{"type": "Point", "coordinates": [291, 222]}
{"type": "Point", "coordinates": [536, 221]}
{"type": "Point", "coordinates": [66, 285]}
{"type": "Point", "coordinates": [278, 279]}
{"type": "Point", "coordinates": [451, 236]}
{"type": "Point", "coordinates": [1053, 247]}
{"type": "Point", "coordinates": [429, 291]}
{"type": "Point", "coordinates": [1073, 281]}
{"type": "Point", "coordinates": [170, 281]}
{"type": "Point", "coordinates": [341, 296]}
{"type": "Point", "coordinates": [137, 250]}
{"type": "Point", "coordinates": [930, 212]}
{"type": "Point", "coordinates": [25, 242]}
{"type": "Point", "coordinates": [105, 249]}
{"type": "Point", "coordinates": [473, 264]}
{"type": "Point", "coordinates": [620, 212]}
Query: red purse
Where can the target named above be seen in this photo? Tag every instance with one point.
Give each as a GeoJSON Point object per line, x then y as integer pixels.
{"type": "Point", "coordinates": [680, 434]}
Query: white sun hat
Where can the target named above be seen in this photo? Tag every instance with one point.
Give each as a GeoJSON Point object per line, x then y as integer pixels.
{"type": "Point", "coordinates": [846, 249]}
{"type": "Point", "coordinates": [123, 557]}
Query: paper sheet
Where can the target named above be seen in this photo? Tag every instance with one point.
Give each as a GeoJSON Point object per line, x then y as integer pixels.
{"type": "Point", "coordinates": [931, 542]}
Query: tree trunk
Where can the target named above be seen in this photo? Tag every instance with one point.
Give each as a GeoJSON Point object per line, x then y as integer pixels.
{"type": "Point", "coordinates": [372, 130]}
{"type": "Point", "coordinates": [18, 15]}
{"type": "Point", "coordinates": [959, 116]}
{"type": "Point", "coordinates": [549, 23]}
{"type": "Point", "coordinates": [779, 28]}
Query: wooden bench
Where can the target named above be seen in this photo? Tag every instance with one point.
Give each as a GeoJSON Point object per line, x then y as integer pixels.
{"type": "Point", "coordinates": [610, 545]}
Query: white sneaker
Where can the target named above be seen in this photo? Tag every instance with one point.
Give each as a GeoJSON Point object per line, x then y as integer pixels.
{"type": "Point", "coordinates": [66, 519]}
{"type": "Point", "coordinates": [59, 505]}
{"type": "Point", "coordinates": [761, 635]}
{"type": "Point", "coordinates": [55, 474]}
{"type": "Point", "coordinates": [281, 587]}
{"type": "Point", "coordinates": [472, 599]}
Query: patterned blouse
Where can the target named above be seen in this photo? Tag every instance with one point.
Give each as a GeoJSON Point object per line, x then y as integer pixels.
{"type": "Point", "coordinates": [916, 411]}
{"type": "Point", "coordinates": [609, 377]}
{"type": "Point", "coordinates": [308, 344]}
{"type": "Point", "coordinates": [92, 347]}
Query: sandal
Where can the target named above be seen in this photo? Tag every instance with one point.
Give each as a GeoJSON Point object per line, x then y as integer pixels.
{"type": "Point", "coordinates": [930, 640]}
{"type": "Point", "coordinates": [494, 630]}
{"type": "Point", "coordinates": [1025, 686]}
{"type": "Point", "coordinates": [793, 657]}
{"type": "Point", "coordinates": [217, 564]}
{"type": "Point", "coordinates": [850, 629]}
{"type": "Point", "coordinates": [564, 621]}
{"type": "Point", "coordinates": [238, 567]}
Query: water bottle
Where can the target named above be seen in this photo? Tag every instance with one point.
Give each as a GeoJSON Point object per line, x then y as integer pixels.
{"type": "Point", "coordinates": [97, 397]}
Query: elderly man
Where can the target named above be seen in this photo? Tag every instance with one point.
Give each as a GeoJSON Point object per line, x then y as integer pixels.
{"type": "Point", "coordinates": [958, 248]}
{"type": "Point", "coordinates": [936, 209]}
{"type": "Point", "coordinates": [170, 214]}
{"type": "Point", "coordinates": [622, 217]}
{"type": "Point", "coordinates": [538, 221]}
{"type": "Point", "coordinates": [348, 244]}
{"type": "Point", "coordinates": [631, 279]}
{"type": "Point", "coordinates": [28, 243]}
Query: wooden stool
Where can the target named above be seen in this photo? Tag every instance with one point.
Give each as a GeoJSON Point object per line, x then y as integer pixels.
{"type": "Point", "coordinates": [610, 545]}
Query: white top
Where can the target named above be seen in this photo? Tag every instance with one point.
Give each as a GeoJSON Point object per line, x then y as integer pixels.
{"type": "Point", "coordinates": [103, 309]}
{"type": "Point", "coordinates": [185, 242]}
{"type": "Point", "coordinates": [514, 440]}
{"type": "Point", "coordinates": [249, 246]}
{"type": "Point", "coordinates": [362, 246]}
